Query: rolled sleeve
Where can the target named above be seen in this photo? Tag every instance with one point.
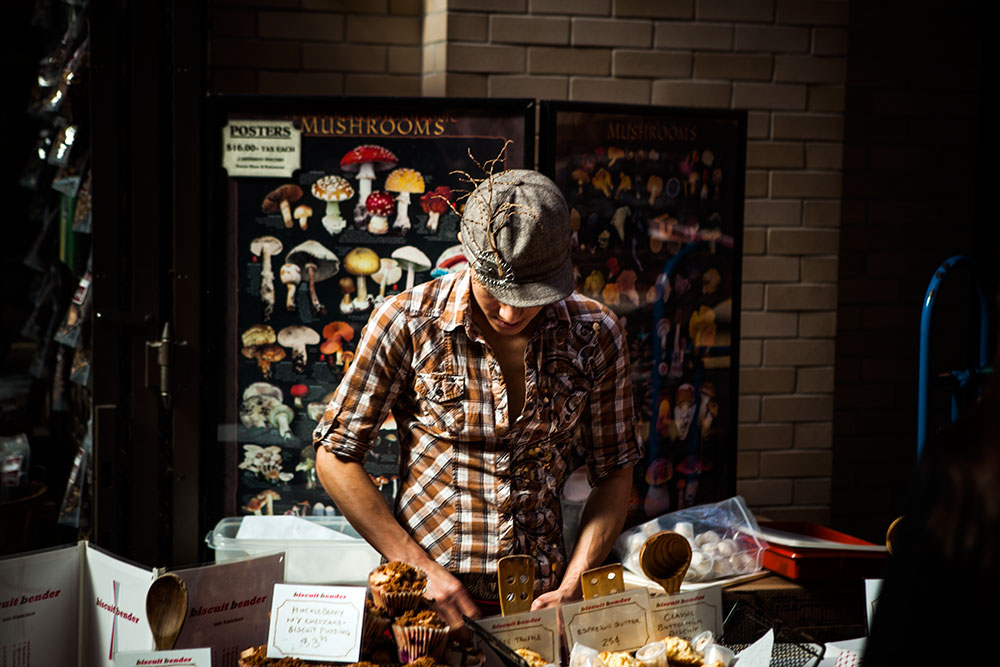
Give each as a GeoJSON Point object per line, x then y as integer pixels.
{"type": "Point", "coordinates": [367, 391]}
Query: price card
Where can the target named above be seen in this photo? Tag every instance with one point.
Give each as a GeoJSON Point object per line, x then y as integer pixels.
{"type": "Point", "coordinates": [687, 614]}
{"type": "Point", "coordinates": [535, 630]}
{"type": "Point", "coordinates": [192, 657]}
{"type": "Point", "coordinates": [252, 147]}
{"type": "Point", "coordinates": [316, 622]}
{"type": "Point", "coordinates": [619, 622]}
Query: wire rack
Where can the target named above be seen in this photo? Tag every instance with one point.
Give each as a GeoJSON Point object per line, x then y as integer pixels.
{"type": "Point", "coordinates": [746, 623]}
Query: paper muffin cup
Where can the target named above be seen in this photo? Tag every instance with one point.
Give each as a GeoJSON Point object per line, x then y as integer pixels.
{"type": "Point", "coordinates": [418, 641]}
{"type": "Point", "coordinates": [396, 603]}
{"type": "Point", "coordinates": [373, 629]}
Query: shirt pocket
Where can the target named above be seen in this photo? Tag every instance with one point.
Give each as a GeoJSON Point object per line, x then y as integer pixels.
{"type": "Point", "coordinates": [442, 400]}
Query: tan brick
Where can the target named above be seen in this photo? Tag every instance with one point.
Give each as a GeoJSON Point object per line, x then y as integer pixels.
{"type": "Point", "coordinates": [466, 85]}
{"type": "Point", "coordinates": [782, 241]}
{"type": "Point", "coordinates": [343, 58]}
{"type": "Point", "coordinates": [824, 155]}
{"type": "Point", "coordinates": [434, 58]}
{"type": "Point", "coordinates": [485, 58]}
{"type": "Point", "coordinates": [814, 12]}
{"type": "Point", "coordinates": [813, 491]}
{"type": "Point", "coordinates": [594, 62]}
{"type": "Point", "coordinates": [826, 98]}
{"type": "Point", "coordinates": [571, 7]}
{"type": "Point", "coordinates": [775, 154]}
{"type": "Point", "coordinates": [764, 436]}
{"type": "Point", "coordinates": [817, 325]}
{"type": "Point", "coordinates": [229, 80]}
{"type": "Point", "coordinates": [233, 23]}
{"type": "Point", "coordinates": [688, 35]}
{"type": "Point", "coordinates": [805, 184]}
{"type": "Point", "coordinates": [434, 85]}
{"type": "Point", "coordinates": [405, 60]}
{"type": "Point", "coordinates": [299, 83]}
{"type": "Point", "coordinates": [758, 125]}
{"type": "Point", "coordinates": [796, 464]}
{"type": "Point", "coordinates": [754, 241]}
{"type": "Point", "coordinates": [344, 6]}
{"type": "Point", "coordinates": [435, 28]}
{"type": "Point", "coordinates": [763, 324]}
{"type": "Point", "coordinates": [732, 66]}
{"type": "Point", "coordinates": [301, 26]}
{"type": "Point", "coordinates": [768, 96]}
{"type": "Point", "coordinates": [796, 408]}
{"type": "Point", "coordinates": [255, 53]}
{"type": "Point", "coordinates": [819, 269]}
{"type": "Point", "coordinates": [767, 380]}
{"type": "Point", "coordinates": [821, 213]}
{"type": "Point", "coordinates": [809, 69]}
{"type": "Point", "coordinates": [800, 297]}
{"type": "Point", "coordinates": [468, 27]}
{"type": "Point", "coordinates": [815, 380]}
{"type": "Point", "coordinates": [376, 84]}
{"type": "Point", "coordinates": [798, 352]}
{"type": "Point", "coordinates": [749, 408]}
{"type": "Point", "coordinates": [734, 10]}
{"type": "Point", "coordinates": [687, 94]}
{"type": "Point", "coordinates": [817, 435]}
{"type": "Point", "coordinates": [750, 352]}
{"type": "Point", "coordinates": [756, 183]}
{"type": "Point", "coordinates": [652, 64]}
{"type": "Point", "coordinates": [747, 465]}
{"type": "Point", "coordinates": [406, 7]}
{"type": "Point", "coordinates": [529, 29]}
{"type": "Point", "coordinates": [400, 30]}
{"type": "Point", "coordinates": [533, 87]}
{"type": "Point", "coordinates": [765, 491]}
{"type": "Point", "coordinates": [509, 6]}
{"type": "Point", "coordinates": [602, 90]}
{"type": "Point", "coordinates": [611, 32]}
{"type": "Point", "coordinates": [771, 269]}
{"type": "Point", "coordinates": [772, 39]}
{"type": "Point", "coordinates": [654, 9]}
{"type": "Point", "coordinates": [829, 42]}
{"type": "Point", "coordinates": [752, 297]}
{"type": "Point", "coordinates": [808, 126]}
{"type": "Point", "coordinates": [772, 213]}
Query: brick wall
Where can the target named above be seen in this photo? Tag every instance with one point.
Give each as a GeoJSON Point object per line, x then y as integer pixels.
{"type": "Point", "coordinates": [782, 60]}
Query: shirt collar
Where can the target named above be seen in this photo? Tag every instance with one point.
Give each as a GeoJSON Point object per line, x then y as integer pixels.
{"type": "Point", "coordinates": [457, 312]}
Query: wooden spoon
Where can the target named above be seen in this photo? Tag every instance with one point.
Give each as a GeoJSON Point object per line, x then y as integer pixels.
{"type": "Point", "coordinates": [166, 609]}
{"type": "Point", "coordinates": [665, 558]}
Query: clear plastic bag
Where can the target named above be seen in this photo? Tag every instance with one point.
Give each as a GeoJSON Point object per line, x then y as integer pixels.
{"type": "Point", "coordinates": [722, 538]}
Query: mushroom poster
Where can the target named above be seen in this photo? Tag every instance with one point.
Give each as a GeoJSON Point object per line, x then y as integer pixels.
{"type": "Point", "coordinates": [656, 208]}
{"type": "Point", "coordinates": [368, 213]}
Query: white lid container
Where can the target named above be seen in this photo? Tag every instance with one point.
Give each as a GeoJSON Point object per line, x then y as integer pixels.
{"type": "Point", "coordinates": [346, 560]}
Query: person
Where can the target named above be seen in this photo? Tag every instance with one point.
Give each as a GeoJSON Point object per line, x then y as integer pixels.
{"type": "Point", "coordinates": [490, 373]}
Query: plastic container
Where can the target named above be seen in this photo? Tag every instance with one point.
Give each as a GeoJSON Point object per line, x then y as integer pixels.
{"type": "Point", "coordinates": [855, 559]}
{"type": "Point", "coordinates": [306, 561]}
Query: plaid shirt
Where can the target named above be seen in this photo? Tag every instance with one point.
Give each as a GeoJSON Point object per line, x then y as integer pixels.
{"type": "Point", "coordinates": [476, 486]}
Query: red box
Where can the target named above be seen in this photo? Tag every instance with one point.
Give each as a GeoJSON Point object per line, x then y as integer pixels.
{"type": "Point", "coordinates": [804, 564]}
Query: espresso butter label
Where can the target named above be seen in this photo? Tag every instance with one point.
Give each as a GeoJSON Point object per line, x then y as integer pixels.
{"type": "Point", "coordinates": [619, 622]}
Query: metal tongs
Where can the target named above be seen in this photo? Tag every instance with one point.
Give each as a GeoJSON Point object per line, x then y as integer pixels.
{"type": "Point", "coordinates": [506, 654]}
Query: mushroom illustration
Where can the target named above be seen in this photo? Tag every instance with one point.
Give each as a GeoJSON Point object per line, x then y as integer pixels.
{"type": "Point", "coordinates": [615, 154]}
{"type": "Point", "coordinates": [280, 418]}
{"type": "Point", "coordinates": [333, 189]}
{"type": "Point", "coordinates": [618, 220]}
{"type": "Point", "coordinates": [296, 337]}
{"type": "Point", "coordinates": [412, 260]}
{"type": "Point", "coordinates": [609, 295]}
{"type": "Point", "coordinates": [626, 286]}
{"type": "Point", "coordinates": [380, 206]}
{"type": "Point", "coordinates": [574, 226]}
{"type": "Point", "coordinates": [684, 409]}
{"type": "Point", "coordinates": [389, 273]}
{"type": "Point", "coordinates": [594, 283]}
{"type": "Point", "coordinates": [302, 214]}
{"type": "Point", "coordinates": [347, 357]}
{"type": "Point", "coordinates": [298, 392]}
{"type": "Point", "coordinates": [404, 182]}
{"type": "Point", "coordinates": [268, 496]}
{"type": "Point", "coordinates": [259, 343]}
{"type": "Point", "coordinates": [281, 199]}
{"type": "Point", "coordinates": [602, 181]}
{"type": "Point", "coordinates": [336, 334]}
{"type": "Point", "coordinates": [710, 281]}
{"type": "Point", "coordinates": [709, 408]}
{"type": "Point", "coordinates": [434, 203]}
{"type": "Point", "coordinates": [581, 178]}
{"type": "Point", "coordinates": [264, 247]}
{"type": "Point", "coordinates": [702, 327]}
{"type": "Point", "coordinates": [316, 409]}
{"type": "Point", "coordinates": [253, 506]}
{"type": "Point", "coordinates": [624, 183]}
{"type": "Point", "coordinates": [364, 160]}
{"type": "Point", "coordinates": [319, 263]}
{"type": "Point", "coordinates": [262, 407]}
{"type": "Point", "coordinates": [655, 186]}
{"type": "Point", "coordinates": [707, 157]}
{"type": "Point", "coordinates": [451, 260]}
{"type": "Point", "coordinates": [347, 288]}
{"type": "Point", "coordinates": [291, 275]}
{"type": "Point", "coordinates": [361, 262]}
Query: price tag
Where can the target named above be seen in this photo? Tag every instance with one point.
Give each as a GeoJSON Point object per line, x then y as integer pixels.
{"type": "Point", "coordinates": [196, 657]}
{"type": "Point", "coordinates": [261, 147]}
{"type": "Point", "coordinates": [316, 622]}
{"type": "Point", "coordinates": [618, 622]}
{"type": "Point", "coordinates": [535, 630]}
{"type": "Point", "coordinates": [687, 614]}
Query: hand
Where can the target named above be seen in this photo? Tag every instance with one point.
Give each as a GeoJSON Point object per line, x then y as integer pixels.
{"type": "Point", "coordinates": [553, 598]}
{"type": "Point", "coordinates": [450, 595]}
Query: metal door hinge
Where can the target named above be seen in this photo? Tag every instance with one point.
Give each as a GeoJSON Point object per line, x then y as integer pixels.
{"type": "Point", "coordinates": [165, 360]}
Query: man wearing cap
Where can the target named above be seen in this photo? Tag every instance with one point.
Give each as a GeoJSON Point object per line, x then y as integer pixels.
{"type": "Point", "coordinates": [493, 374]}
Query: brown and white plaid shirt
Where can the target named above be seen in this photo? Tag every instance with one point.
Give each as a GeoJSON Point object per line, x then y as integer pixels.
{"type": "Point", "coordinates": [476, 486]}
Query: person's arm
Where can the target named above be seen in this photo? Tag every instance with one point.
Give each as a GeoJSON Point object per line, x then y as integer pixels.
{"type": "Point", "coordinates": [601, 522]}
{"type": "Point", "coordinates": [363, 505]}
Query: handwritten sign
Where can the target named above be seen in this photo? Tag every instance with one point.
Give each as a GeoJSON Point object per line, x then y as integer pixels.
{"type": "Point", "coordinates": [535, 630]}
{"type": "Point", "coordinates": [316, 622]}
{"type": "Point", "coordinates": [618, 622]}
{"type": "Point", "coordinates": [687, 614]}
{"type": "Point", "coordinates": [198, 657]}
{"type": "Point", "coordinates": [261, 148]}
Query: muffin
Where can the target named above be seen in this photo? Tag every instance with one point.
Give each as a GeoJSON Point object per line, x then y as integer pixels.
{"type": "Point", "coordinates": [420, 633]}
{"type": "Point", "coordinates": [618, 659]}
{"type": "Point", "coordinates": [533, 658]}
{"type": "Point", "coordinates": [679, 652]}
{"type": "Point", "coordinates": [376, 622]}
{"type": "Point", "coordinates": [397, 586]}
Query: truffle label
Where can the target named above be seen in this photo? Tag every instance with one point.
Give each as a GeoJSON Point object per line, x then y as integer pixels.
{"type": "Point", "coordinates": [535, 630]}
{"type": "Point", "coordinates": [619, 622]}
{"type": "Point", "coordinates": [316, 622]}
{"type": "Point", "coordinates": [262, 148]}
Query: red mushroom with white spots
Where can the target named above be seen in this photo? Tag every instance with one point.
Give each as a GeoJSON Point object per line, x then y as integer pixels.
{"type": "Point", "coordinates": [365, 160]}
{"type": "Point", "coordinates": [436, 202]}
{"type": "Point", "coordinates": [380, 206]}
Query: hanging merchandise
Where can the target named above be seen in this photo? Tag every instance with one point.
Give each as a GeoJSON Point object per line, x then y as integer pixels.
{"type": "Point", "coordinates": [15, 459]}
{"type": "Point", "coordinates": [69, 511]}
{"type": "Point", "coordinates": [69, 75]}
{"type": "Point", "coordinates": [81, 215]}
{"type": "Point", "coordinates": [77, 314]}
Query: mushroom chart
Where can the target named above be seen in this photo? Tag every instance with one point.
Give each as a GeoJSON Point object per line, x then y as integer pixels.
{"type": "Point", "coordinates": [317, 263]}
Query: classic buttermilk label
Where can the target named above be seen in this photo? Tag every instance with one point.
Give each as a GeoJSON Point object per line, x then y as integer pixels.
{"type": "Point", "coordinates": [687, 614]}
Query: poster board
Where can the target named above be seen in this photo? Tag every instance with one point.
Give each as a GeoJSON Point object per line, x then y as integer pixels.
{"type": "Point", "coordinates": [273, 143]}
{"type": "Point", "coordinates": [656, 204]}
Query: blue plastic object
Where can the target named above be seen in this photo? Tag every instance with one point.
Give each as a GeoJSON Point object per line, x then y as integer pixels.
{"type": "Point", "coordinates": [961, 378]}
